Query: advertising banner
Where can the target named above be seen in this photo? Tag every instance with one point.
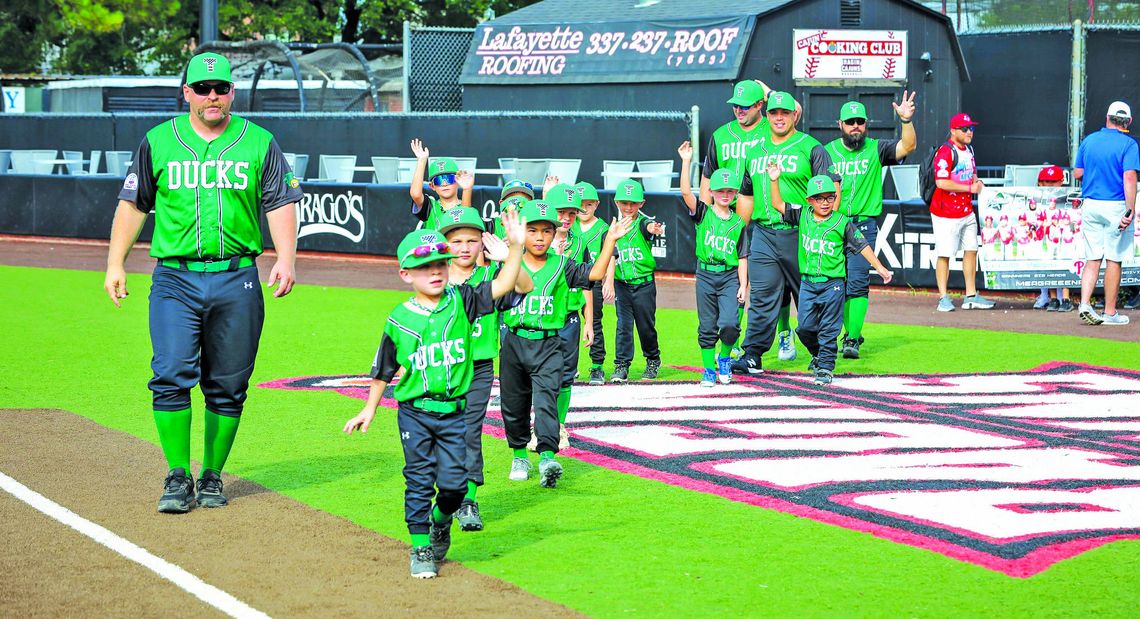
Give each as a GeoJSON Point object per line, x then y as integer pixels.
{"type": "Point", "coordinates": [1031, 238]}
{"type": "Point", "coordinates": [862, 55]}
{"type": "Point", "coordinates": [633, 51]}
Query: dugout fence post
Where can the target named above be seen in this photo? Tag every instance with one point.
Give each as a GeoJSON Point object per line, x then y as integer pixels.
{"type": "Point", "coordinates": [695, 140]}
{"type": "Point", "coordinates": [1077, 91]}
{"type": "Point", "coordinates": [407, 67]}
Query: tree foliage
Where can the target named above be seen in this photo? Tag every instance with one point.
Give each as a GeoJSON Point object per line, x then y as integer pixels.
{"type": "Point", "coordinates": [1021, 12]}
{"type": "Point", "coordinates": [155, 36]}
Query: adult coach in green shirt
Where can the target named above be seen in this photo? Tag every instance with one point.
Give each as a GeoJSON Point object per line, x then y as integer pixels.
{"type": "Point", "coordinates": [729, 144]}
{"type": "Point", "coordinates": [208, 176]}
{"type": "Point", "coordinates": [859, 160]}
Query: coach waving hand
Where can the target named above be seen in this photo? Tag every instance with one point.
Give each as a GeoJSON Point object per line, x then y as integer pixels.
{"type": "Point", "coordinates": [207, 176]}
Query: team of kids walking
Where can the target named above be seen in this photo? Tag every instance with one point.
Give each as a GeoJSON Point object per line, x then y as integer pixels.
{"type": "Point", "coordinates": [777, 216]}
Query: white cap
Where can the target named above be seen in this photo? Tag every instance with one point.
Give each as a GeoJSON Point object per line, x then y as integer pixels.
{"type": "Point", "coordinates": [1120, 109]}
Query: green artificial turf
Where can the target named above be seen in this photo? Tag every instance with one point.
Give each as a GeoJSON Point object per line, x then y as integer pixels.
{"type": "Point", "coordinates": [605, 543]}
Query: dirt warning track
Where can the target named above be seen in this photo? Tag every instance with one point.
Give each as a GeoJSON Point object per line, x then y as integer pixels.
{"type": "Point", "coordinates": [276, 555]}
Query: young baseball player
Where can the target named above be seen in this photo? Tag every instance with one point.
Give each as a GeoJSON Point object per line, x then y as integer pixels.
{"type": "Point", "coordinates": [592, 231]}
{"type": "Point", "coordinates": [824, 236]}
{"type": "Point", "coordinates": [430, 336]}
{"type": "Point", "coordinates": [635, 290]}
{"type": "Point", "coordinates": [445, 179]}
{"type": "Point", "coordinates": [722, 267]}
{"type": "Point", "coordinates": [515, 193]}
{"type": "Point", "coordinates": [530, 365]}
{"type": "Point", "coordinates": [467, 239]}
{"type": "Point", "coordinates": [1053, 176]}
{"type": "Point", "coordinates": [565, 199]}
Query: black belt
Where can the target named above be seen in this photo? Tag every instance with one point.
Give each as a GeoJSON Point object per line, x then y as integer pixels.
{"type": "Point", "coordinates": [635, 282]}
{"type": "Point", "coordinates": [533, 334]}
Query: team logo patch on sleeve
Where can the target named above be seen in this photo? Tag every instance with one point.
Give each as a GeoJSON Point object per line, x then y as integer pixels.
{"type": "Point", "coordinates": [131, 183]}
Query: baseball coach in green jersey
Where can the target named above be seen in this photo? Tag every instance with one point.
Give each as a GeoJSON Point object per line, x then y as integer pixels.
{"type": "Point", "coordinates": [773, 272]}
{"type": "Point", "coordinates": [530, 364]}
{"type": "Point", "coordinates": [825, 237]}
{"type": "Point", "coordinates": [722, 267]}
{"type": "Point", "coordinates": [467, 240]}
{"type": "Point", "coordinates": [859, 161]}
{"type": "Point", "coordinates": [729, 143]}
{"type": "Point", "coordinates": [445, 178]}
{"type": "Point", "coordinates": [430, 336]}
{"type": "Point", "coordinates": [207, 176]}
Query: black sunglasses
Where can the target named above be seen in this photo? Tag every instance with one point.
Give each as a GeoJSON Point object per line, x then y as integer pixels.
{"type": "Point", "coordinates": [202, 89]}
{"type": "Point", "coordinates": [851, 122]}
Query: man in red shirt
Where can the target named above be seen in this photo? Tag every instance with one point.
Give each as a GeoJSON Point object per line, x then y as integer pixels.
{"type": "Point", "coordinates": [952, 213]}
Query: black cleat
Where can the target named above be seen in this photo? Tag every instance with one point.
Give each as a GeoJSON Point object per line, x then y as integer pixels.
{"type": "Point", "coordinates": [468, 516]}
{"type": "Point", "coordinates": [177, 493]}
{"type": "Point", "coordinates": [441, 539]}
{"type": "Point", "coordinates": [652, 369]}
{"type": "Point", "coordinates": [748, 364]}
{"type": "Point", "coordinates": [210, 490]}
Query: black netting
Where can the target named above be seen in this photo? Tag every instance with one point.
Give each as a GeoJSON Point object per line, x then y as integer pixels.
{"type": "Point", "coordinates": [437, 56]}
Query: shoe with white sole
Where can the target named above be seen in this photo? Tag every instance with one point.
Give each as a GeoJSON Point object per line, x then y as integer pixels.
{"type": "Point", "coordinates": [708, 379]}
{"type": "Point", "coordinates": [423, 563]}
{"type": "Point", "coordinates": [724, 370]}
{"type": "Point", "coordinates": [1115, 319]}
{"type": "Point", "coordinates": [549, 471]}
{"type": "Point", "coordinates": [787, 346]}
{"type": "Point", "coordinates": [520, 469]}
{"type": "Point", "coordinates": [976, 301]}
{"type": "Point", "coordinates": [1089, 315]}
{"type": "Point", "coordinates": [945, 304]}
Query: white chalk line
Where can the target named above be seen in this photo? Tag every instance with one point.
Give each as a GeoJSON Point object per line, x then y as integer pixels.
{"type": "Point", "coordinates": [182, 579]}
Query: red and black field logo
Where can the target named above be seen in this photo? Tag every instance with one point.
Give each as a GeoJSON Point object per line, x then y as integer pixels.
{"type": "Point", "coordinates": [1011, 471]}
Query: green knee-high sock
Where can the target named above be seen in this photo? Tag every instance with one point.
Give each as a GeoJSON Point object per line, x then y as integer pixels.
{"type": "Point", "coordinates": [708, 358]}
{"type": "Point", "coordinates": [174, 434]}
{"type": "Point", "coordinates": [847, 316]}
{"type": "Point", "coordinates": [471, 490]}
{"type": "Point", "coordinates": [858, 314]}
{"type": "Point", "coordinates": [563, 404]}
{"type": "Point", "coordinates": [743, 326]}
{"type": "Point", "coordinates": [420, 540]}
{"type": "Point", "coordinates": [725, 349]}
{"type": "Point", "coordinates": [519, 453]}
{"type": "Point", "coordinates": [784, 323]}
{"type": "Point", "coordinates": [220, 433]}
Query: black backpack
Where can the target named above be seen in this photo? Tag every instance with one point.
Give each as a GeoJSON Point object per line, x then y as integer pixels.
{"type": "Point", "coordinates": [926, 183]}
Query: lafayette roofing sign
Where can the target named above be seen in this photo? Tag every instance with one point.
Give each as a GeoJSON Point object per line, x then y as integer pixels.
{"type": "Point", "coordinates": [631, 51]}
{"type": "Point", "coordinates": [864, 55]}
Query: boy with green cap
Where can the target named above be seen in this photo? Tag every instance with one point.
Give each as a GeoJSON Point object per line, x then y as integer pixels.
{"type": "Point", "coordinates": [592, 230]}
{"type": "Point", "coordinates": [514, 194]}
{"type": "Point", "coordinates": [467, 239]}
{"type": "Point", "coordinates": [430, 336]}
{"type": "Point", "coordinates": [565, 199]}
{"type": "Point", "coordinates": [530, 364]}
{"type": "Point", "coordinates": [722, 267]}
{"type": "Point", "coordinates": [824, 238]}
{"type": "Point", "coordinates": [445, 178]}
{"type": "Point", "coordinates": [634, 287]}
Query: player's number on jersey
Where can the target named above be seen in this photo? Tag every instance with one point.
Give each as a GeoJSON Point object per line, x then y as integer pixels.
{"type": "Point", "coordinates": [478, 330]}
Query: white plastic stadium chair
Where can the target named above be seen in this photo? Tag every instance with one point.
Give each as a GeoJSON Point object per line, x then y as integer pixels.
{"type": "Point", "coordinates": [117, 162]}
{"type": "Point", "coordinates": [565, 169]}
{"type": "Point", "coordinates": [532, 171]}
{"type": "Point", "coordinates": [5, 160]}
{"type": "Point", "coordinates": [76, 168]}
{"type": "Point", "coordinates": [407, 167]}
{"type": "Point", "coordinates": [467, 163]}
{"type": "Point", "coordinates": [613, 172]}
{"type": "Point", "coordinates": [24, 161]}
{"type": "Point", "coordinates": [1021, 175]}
{"type": "Point", "coordinates": [386, 170]}
{"type": "Point", "coordinates": [95, 160]}
{"type": "Point", "coordinates": [506, 163]}
{"type": "Point", "coordinates": [661, 172]}
{"type": "Point", "coordinates": [337, 168]}
{"type": "Point", "coordinates": [906, 182]}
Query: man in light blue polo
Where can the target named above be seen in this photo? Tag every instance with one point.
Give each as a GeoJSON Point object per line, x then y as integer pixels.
{"type": "Point", "coordinates": [1107, 162]}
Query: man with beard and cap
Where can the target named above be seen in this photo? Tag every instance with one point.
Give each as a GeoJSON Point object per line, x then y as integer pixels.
{"type": "Point", "coordinates": [859, 160]}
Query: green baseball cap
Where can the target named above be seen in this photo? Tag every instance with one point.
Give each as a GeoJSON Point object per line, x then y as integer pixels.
{"type": "Point", "coordinates": [586, 191]}
{"type": "Point", "coordinates": [820, 184]}
{"type": "Point", "coordinates": [421, 247]}
{"type": "Point", "coordinates": [208, 67]}
{"type": "Point", "coordinates": [563, 196]}
{"type": "Point", "coordinates": [539, 210]}
{"type": "Point", "coordinates": [746, 93]}
{"type": "Point", "coordinates": [852, 109]}
{"type": "Point", "coordinates": [443, 165]}
{"type": "Point", "coordinates": [724, 178]}
{"type": "Point", "coordinates": [781, 100]}
{"type": "Point", "coordinates": [461, 217]}
{"type": "Point", "coordinates": [629, 190]}
{"type": "Point", "coordinates": [517, 186]}
{"type": "Point", "coordinates": [513, 203]}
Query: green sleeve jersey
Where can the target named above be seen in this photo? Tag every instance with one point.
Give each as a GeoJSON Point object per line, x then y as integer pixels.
{"type": "Point", "coordinates": [798, 162]}
{"type": "Point", "coordinates": [547, 306]}
{"type": "Point", "coordinates": [207, 197]}
{"type": "Point", "coordinates": [634, 254]}
{"type": "Point", "coordinates": [823, 244]}
{"type": "Point", "coordinates": [577, 252]}
{"type": "Point", "coordinates": [730, 145]}
{"type": "Point", "coordinates": [719, 241]}
{"type": "Point", "coordinates": [592, 238]}
{"type": "Point", "coordinates": [431, 213]}
{"type": "Point", "coordinates": [433, 345]}
{"type": "Point", "coordinates": [862, 173]}
{"type": "Point", "coordinates": [485, 331]}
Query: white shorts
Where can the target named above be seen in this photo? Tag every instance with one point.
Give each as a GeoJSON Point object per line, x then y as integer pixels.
{"type": "Point", "coordinates": [1100, 225]}
{"type": "Point", "coordinates": [952, 235]}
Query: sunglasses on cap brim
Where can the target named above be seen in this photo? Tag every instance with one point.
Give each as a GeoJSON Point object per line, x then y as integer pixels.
{"type": "Point", "coordinates": [203, 89]}
{"type": "Point", "coordinates": [423, 251]}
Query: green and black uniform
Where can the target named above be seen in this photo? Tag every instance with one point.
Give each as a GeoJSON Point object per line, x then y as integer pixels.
{"type": "Point", "coordinates": [636, 294]}
{"type": "Point", "coordinates": [432, 211]}
{"type": "Point", "coordinates": [862, 173]}
{"type": "Point", "coordinates": [531, 366]}
{"type": "Point", "coordinates": [593, 239]}
{"type": "Point", "coordinates": [206, 306]}
{"type": "Point", "coordinates": [823, 265]}
{"type": "Point", "coordinates": [720, 243]}
{"type": "Point", "coordinates": [729, 147]}
{"type": "Point", "coordinates": [436, 348]}
{"type": "Point", "coordinates": [773, 274]}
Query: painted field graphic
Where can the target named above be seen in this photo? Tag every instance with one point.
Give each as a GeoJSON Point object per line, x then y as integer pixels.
{"type": "Point", "coordinates": [1011, 471]}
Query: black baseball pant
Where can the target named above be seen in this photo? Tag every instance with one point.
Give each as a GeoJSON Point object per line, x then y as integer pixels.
{"type": "Point", "coordinates": [858, 269]}
{"type": "Point", "coordinates": [636, 306]}
{"type": "Point", "coordinates": [434, 456]}
{"type": "Point", "coordinates": [820, 319]}
{"type": "Point", "coordinates": [530, 375]}
{"type": "Point", "coordinates": [717, 308]}
{"type": "Point", "coordinates": [569, 335]}
{"type": "Point", "coordinates": [774, 276]}
{"type": "Point", "coordinates": [478, 395]}
{"type": "Point", "coordinates": [598, 348]}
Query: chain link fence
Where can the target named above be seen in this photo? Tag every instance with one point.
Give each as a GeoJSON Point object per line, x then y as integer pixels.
{"type": "Point", "coordinates": [433, 61]}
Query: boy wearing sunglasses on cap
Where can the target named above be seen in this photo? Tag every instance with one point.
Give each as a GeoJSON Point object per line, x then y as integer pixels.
{"type": "Point", "coordinates": [467, 239]}
{"type": "Point", "coordinates": [445, 178]}
{"type": "Point", "coordinates": [824, 238]}
{"type": "Point", "coordinates": [515, 194]}
{"type": "Point", "coordinates": [531, 364]}
{"type": "Point", "coordinates": [430, 336]}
